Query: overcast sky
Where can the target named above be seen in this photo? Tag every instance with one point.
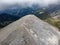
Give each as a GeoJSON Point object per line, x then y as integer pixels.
{"type": "Point", "coordinates": [5, 3]}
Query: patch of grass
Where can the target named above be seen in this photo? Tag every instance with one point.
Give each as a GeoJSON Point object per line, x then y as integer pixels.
{"type": "Point", "coordinates": [53, 22]}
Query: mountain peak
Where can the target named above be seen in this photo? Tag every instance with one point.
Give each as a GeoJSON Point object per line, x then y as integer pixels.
{"type": "Point", "coordinates": [29, 30]}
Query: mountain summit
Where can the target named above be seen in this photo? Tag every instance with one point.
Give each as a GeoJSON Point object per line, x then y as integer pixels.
{"type": "Point", "coordinates": [29, 30]}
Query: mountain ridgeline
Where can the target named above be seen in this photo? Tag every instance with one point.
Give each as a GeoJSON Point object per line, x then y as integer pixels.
{"type": "Point", "coordinates": [14, 13]}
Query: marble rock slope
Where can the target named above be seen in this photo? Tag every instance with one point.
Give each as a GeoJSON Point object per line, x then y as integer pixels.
{"type": "Point", "coordinates": [29, 30]}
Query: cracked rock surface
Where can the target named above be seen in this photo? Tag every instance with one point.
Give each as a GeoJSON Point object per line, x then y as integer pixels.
{"type": "Point", "coordinates": [29, 30]}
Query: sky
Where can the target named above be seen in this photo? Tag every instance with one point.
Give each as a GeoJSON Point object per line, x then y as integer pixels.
{"type": "Point", "coordinates": [25, 3]}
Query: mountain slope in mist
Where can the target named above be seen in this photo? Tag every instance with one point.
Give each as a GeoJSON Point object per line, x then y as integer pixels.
{"type": "Point", "coordinates": [15, 12]}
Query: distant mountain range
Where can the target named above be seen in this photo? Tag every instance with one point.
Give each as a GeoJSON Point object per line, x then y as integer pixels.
{"type": "Point", "coordinates": [6, 19]}
{"type": "Point", "coordinates": [15, 12]}
{"type": "Point", "coordinates": [53, 9]}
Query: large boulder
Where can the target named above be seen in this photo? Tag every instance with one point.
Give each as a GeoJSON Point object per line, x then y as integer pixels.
{"type": "Point", "coordinates": [29, 30]}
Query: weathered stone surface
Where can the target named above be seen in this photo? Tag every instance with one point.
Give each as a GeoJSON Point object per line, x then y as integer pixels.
{"type": "Point", "coordinates": [29, 30]}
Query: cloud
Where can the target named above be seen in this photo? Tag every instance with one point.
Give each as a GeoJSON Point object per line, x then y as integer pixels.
{"type": "Point", "coordinates": [47, 2]}
{"type": "Point", "coordinates": [24, 3]}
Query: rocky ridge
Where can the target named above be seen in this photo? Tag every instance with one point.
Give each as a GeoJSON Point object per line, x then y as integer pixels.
{"type": "Point", "coordinates": [29, 30]}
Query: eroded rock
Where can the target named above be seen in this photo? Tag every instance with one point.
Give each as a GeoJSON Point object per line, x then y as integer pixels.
{"type": "Point", "coordinates": [29, 30]}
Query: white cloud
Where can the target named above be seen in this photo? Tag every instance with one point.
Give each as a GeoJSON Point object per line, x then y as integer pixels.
{"type": "Point", "coordinates": [47, 2]}
{"type": "Point", "coordinates": [5, 3]}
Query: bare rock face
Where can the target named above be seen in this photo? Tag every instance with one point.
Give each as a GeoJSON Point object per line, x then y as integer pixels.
{"type": "Point", "coordinates": [29, 30]}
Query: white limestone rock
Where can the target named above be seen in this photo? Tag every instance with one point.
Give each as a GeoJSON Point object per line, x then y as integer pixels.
{"type": "Point", "coordinates": [29, 30]}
